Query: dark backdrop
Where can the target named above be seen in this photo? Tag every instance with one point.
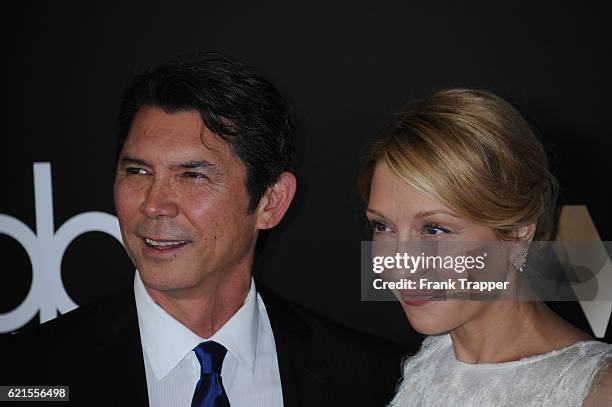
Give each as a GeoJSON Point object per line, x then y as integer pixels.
{"type": "Point", "coordinates": [345, 67]}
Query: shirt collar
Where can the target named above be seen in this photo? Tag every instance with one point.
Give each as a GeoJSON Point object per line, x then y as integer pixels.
{"type": "Point", "coordinates": [166, 342]}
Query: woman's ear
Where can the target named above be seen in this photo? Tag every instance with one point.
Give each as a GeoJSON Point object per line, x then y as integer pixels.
{"type": "Point", "coordinates": [520, 248]}
{"type": "Point", "coordinates": [526, 232]}
{"type": "Point", "coordinates": [275, 201]}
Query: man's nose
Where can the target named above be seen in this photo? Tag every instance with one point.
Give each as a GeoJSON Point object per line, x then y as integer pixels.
{"type": "Point", "coordinates": [159, 200]}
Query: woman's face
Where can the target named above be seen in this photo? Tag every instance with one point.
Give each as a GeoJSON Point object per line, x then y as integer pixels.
{"type": "Point", "coordinates": [397, 211]}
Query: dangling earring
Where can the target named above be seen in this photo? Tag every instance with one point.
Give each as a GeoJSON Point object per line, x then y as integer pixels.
{"type": "Point", "coordinates": [520, 265]}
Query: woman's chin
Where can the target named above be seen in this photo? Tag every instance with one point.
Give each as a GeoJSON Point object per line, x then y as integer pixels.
{"type": "Point", "coordinates": [431, 318]}
{"type": "Point", "coordinates": [426, 329]}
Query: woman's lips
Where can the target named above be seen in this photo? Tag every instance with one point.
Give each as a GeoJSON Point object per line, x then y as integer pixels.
{"type": "Point", "coordinates": [418, 298]}
{"type": "Point", "coordinates": [416, 302]}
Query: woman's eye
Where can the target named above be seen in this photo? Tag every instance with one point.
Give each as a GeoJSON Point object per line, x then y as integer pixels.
{"type": "Point", "coordinates": [379, 227]}
{"type": "Point", "coordinates": [433, 229]}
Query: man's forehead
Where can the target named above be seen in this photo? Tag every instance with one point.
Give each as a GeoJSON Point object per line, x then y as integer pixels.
{"type": "Point", "coordinates": [175, 138]}
{"type": "Point", "coordinates": [154, 125]}
{"type": "Point", "coordinates": [156, 122]}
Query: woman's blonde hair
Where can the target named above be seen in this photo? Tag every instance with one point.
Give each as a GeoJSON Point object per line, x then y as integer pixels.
{"type": "Point", "coordinates": [473, 152]}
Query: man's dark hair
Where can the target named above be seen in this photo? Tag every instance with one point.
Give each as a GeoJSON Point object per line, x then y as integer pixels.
{"type": "Point", "coordinates": [236, 102]}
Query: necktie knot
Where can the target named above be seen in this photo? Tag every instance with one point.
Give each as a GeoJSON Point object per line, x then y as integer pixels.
{"type": "Point", "coordinates": [209, 391]}
{"type": "Point", "coordinates": [211, 355]}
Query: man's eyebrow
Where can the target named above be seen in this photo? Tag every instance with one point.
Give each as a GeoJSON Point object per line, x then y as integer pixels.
{"type": "Point", "coordinates": [126, 160]}
{"type": "Point", "coordinates": [194, 164]}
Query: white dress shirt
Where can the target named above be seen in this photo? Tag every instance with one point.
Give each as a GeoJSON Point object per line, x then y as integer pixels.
{"type": "Point", "coordinates": [250, 371]}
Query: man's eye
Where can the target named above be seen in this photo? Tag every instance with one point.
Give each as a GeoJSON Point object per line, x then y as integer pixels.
{"type": "Point", "coordinates": [434, 230]}
{"type": "Point", "coordinates": [379, 227]}
{"type": "Point", "coordinates": [135, 170]}
{"type": "Point", "coordinates": [192, 174]}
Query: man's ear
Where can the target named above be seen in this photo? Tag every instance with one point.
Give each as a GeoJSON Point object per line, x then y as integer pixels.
{"type": "Point", "coordinates": [275, 201]}
{"type": "Point", "coordinates": [526, 232]}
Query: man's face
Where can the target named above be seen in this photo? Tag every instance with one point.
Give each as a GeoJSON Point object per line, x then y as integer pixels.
{"type": "Point", "coordinates": [182, 204]}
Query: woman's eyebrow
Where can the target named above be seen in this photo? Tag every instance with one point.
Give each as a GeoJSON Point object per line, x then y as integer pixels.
{"type": "Point", "coordinates": [423, 214]}
{"type": "Point", "coordinates": [375, 212]}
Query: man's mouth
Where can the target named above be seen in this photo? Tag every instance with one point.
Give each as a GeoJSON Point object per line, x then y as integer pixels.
{"type": "Point", "coordinates": [165, 244]}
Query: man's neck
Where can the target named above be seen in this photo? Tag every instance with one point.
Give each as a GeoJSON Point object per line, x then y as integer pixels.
{"type": "Point", "coordinates": [205, 309]}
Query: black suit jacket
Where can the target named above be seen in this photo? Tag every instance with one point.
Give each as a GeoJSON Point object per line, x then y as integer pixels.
{"type": "Point", "coordinates": [96, 350]}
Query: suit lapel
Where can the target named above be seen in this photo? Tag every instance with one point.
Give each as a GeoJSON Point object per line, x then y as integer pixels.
{"type": "Point", "coordinates": [116, 351]}
{"type": "Point", "coordinates": [300, 357]}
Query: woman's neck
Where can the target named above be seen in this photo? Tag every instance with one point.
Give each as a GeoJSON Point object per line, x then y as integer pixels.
{"type": "Point", "coordinates": [510, 331]}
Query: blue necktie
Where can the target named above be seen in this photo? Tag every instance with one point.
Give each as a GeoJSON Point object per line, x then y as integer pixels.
{"type": "Point", "coordinates": [209, 391]}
